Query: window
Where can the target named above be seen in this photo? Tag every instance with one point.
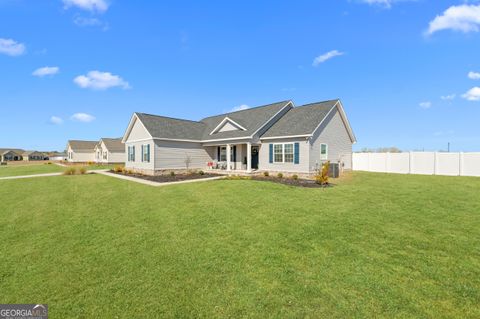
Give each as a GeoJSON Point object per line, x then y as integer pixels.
{"type": "Point", "coordinates": [288, 153]}
{"type": "Point", "coordinates": [223, 154]}
{"type": "Point", "coordinates": [105, 155]}
{"type": "Point", "coordinates": [323, 152]}
{"type": "Point", "coordinates": [146, 153]}
{"type": "Point", "coordinates": [278, 153]}
{"type": "Point", "coordinates": [131, 153]}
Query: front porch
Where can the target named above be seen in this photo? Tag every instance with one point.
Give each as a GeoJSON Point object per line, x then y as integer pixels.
{"type": "Point", "coordinates": [238, 157]}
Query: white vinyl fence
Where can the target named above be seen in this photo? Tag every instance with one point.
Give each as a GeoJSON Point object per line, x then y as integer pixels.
{"type": "Point", "coordinates": [426, 163]}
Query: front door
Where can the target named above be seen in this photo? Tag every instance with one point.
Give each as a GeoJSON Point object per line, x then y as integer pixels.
{"type": "Point", "coordinates": [254, 157]}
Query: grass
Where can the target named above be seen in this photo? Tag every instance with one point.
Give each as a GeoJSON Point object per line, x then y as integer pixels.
{"type": "Point", "coordinates": [8, 170]}
{"type": "Point", "coordinates": [18, 170]}
{"type": "Point", "coordinates": [375, 245]}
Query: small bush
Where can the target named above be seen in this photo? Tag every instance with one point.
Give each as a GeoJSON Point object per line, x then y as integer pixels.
{"type": "Point", "coordinates": [90, 163]}
{"type": "Point", "coordinates": [172, 173]}
{"type": "Point", "coordinates": [201, 173]}
{"type": "Point", "coordinates": [118, 169]}
{"type": "Point", "coordinates": [280, 175]}
{"type": "Point", "coordinates": [322, 174]}
{"type": "Point", "coordinates": [69, 171]}
{"type": "Point", "coordinates": [266, 174]}
{"type": "Point", "coordinates": [295, 177]}
{"type": "Point", "coordinates": [82, 170]}
{"type": "Point", "coordinates": [130, 171]}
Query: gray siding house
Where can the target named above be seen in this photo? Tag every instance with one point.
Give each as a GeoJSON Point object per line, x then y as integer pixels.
{"type": "Point", "coordinates": [275, 137]}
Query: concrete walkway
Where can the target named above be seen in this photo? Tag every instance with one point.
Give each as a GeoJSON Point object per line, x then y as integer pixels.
{"type": "Point", "coordinates": [30, 176]}
{"type": "Point", "coordinates": [156, 184]}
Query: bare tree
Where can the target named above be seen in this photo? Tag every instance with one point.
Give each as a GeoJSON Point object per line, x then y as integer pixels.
{"type": "Point", "coordinates": [188, 161]}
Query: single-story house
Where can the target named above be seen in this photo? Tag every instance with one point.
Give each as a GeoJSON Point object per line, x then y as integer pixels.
{"type": "Point", "coordinates": [10, 154]}
{"type": "Point", "coordinates": [57, 156]}
{"type": "Point", "coordinates": [275, 137]}
{"type": "Point", "coordinates": [110, 150]}
{"type": "Point", "coordinates": [81, 151]}
{"type": "Point", "coordinates": [34, 156]}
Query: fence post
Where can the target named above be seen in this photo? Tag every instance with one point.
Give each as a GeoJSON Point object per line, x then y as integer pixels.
{"type": "Point", "coordinates": [460, 164]}
{"type": "Point", "coordinates": [410, 162]}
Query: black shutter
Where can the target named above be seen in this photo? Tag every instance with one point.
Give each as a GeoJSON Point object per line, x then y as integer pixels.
{"type": "Point", "coordinates": [234, 153]}
{"type": "Point", "coordinates": [218, 153]}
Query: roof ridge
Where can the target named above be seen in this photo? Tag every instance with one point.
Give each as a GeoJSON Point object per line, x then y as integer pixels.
{"type": "Point", "coordinates": [169, 117]}
{"type": "Point", "coordinates": [249, 109]}
{"type": "Point", "coordinates": [319, 102]}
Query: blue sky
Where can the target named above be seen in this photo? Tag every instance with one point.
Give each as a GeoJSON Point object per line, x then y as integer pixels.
{"type": "Point", "coordinates": [408, 72]}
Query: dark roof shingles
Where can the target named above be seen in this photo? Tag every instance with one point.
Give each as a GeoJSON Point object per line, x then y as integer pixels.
{"type": "Point", "coordinates": [302, 120]}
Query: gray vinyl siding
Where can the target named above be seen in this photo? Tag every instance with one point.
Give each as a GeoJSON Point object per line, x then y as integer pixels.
{"type": "Point", "coordinates": [138, 132]}
{"type": "Point", "coordinates": [301, 167]}
{"type": "Point", "coordinates": [138, 164]}
{"type": "Point", "coordinates": [172, 155]}
{"type": "Point", "coordinates": [332, 132]}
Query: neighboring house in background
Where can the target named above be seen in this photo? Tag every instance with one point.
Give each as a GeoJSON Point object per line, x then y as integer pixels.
{"type": "Point", "coordinates": [33, 156]}
{"type": "Point", "coordinates": [110, 150]}
{"type": "Point", "coordinates": [10, 154]}
{"type": "Point", "coordinates": [275, 137]}
{"type": "Point", "coordinates": [56, 156]}
{"type": "Point", "coordinates": [80, 151]}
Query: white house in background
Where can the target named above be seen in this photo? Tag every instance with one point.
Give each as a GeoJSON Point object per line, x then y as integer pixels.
{"type": "Point", "coordinates": [81, 151]}
{"type": "Point", "coordinates": [10, 154]}
{"type": "Point", "coordinates": [56, 156]}
{"type": "Point", "coordinates": [275, 137]}
{"type": "Point", "coordinates": [110, 150]}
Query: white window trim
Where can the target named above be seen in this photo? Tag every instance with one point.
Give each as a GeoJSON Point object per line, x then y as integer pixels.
{"type": "Point", "coordinates": [145, 154]}
{"type": "Point", "coordinates": [283, 153]}
{"type": "Point", "coordinates": [324, 157]}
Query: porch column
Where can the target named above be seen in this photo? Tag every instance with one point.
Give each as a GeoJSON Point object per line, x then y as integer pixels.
{"type": "Point", "coordinates": [249, 157]}
{"type": "Point", "coordinates": [228, 156]}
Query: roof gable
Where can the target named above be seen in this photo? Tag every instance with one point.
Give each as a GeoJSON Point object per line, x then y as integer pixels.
{"type": "Point", "coordinates": [113, 145]}
{"type": "Point", "coordinates": [77, 145]}
{"type": "Point", "coordinates": [251, 120]}
{"type": "Point", "coordinates": [227, 125]}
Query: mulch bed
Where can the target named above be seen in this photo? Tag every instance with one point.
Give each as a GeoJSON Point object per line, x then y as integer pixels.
{"type": "Point", "coordinates": [169, 178]}
{"type": "Point", "coordinates": [290, 181]}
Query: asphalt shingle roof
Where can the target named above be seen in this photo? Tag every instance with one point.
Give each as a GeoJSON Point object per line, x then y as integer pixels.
{"type": "Point", "coordinates": [77, 145]}
{"type": "Point", "coordinates": [302, 120]}
{"type": "Point", "coordinates": [114, 144]}
{"type": "Point", "coordinates": [167, 127]}
{"type": "Point", "coordinates": [15, 150]}
{"type": "Point", "coordinates": [251, 119]}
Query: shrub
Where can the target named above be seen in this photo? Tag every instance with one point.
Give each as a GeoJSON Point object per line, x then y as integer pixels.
{"type": "Point", "coordinates": [118, 169]}
{"type": "Point", "coordinates": [201, 173]}
{"type": "Point", "coordinates": [69, 171]}
{"type": "Point", "coordinates": [82, 170]}
{"type": "Point", "coordinates": [280, 175]}
{"type": "Point", "coordinates": [322, 175]}
{"type": "Point", "coordinates": [295, 177]}
{"type": "Point", "coordinates": [172, 173]}
{"type": "Point", "coordinates": [130, 171]}
{"type": "Point", "coordinates": [266, 174]}
{"type": "Point", "coordinates": [90, 163]}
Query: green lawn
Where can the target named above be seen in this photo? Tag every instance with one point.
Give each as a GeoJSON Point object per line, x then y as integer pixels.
{"type": "Point", "coordinates": [13, 170]}
{"type": "Point", "coordinates": [19, 170]}
{"type": "Point", "coordinates": [374, 246]}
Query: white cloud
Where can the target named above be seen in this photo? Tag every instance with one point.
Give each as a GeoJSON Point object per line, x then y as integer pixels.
{"type": "Point", "coordinates": [11, 47]}
{"type": "Point", "coordinates": [89, 5]}
{"type": "Point", "coordinates": [474, 75]}
{"type": "Point", "coordinates": [464, 18]}
{"type": "Point", "coordinates": [47, 70]}
{"type": "Point", "coordinates": [325, 57]}
{"type": "Point", "coordinates": [97, 80]}
{"type": "Point", "coordinates": [448, 97]}
{"type": "Point", "coordinates": [90, 22]}
{"type": "Point", "coordinates": [82, 117]}
{"type": "Point", "coordinates": [473, 94]}
{"type": "Point", "coordinates": [384, 3]}
{"type": "Point", "coordinates": [240, 108]}
{"type": "Point", "coordinates": [426, 105]}
{"type": "Point", "coordinates": [56, 120]}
